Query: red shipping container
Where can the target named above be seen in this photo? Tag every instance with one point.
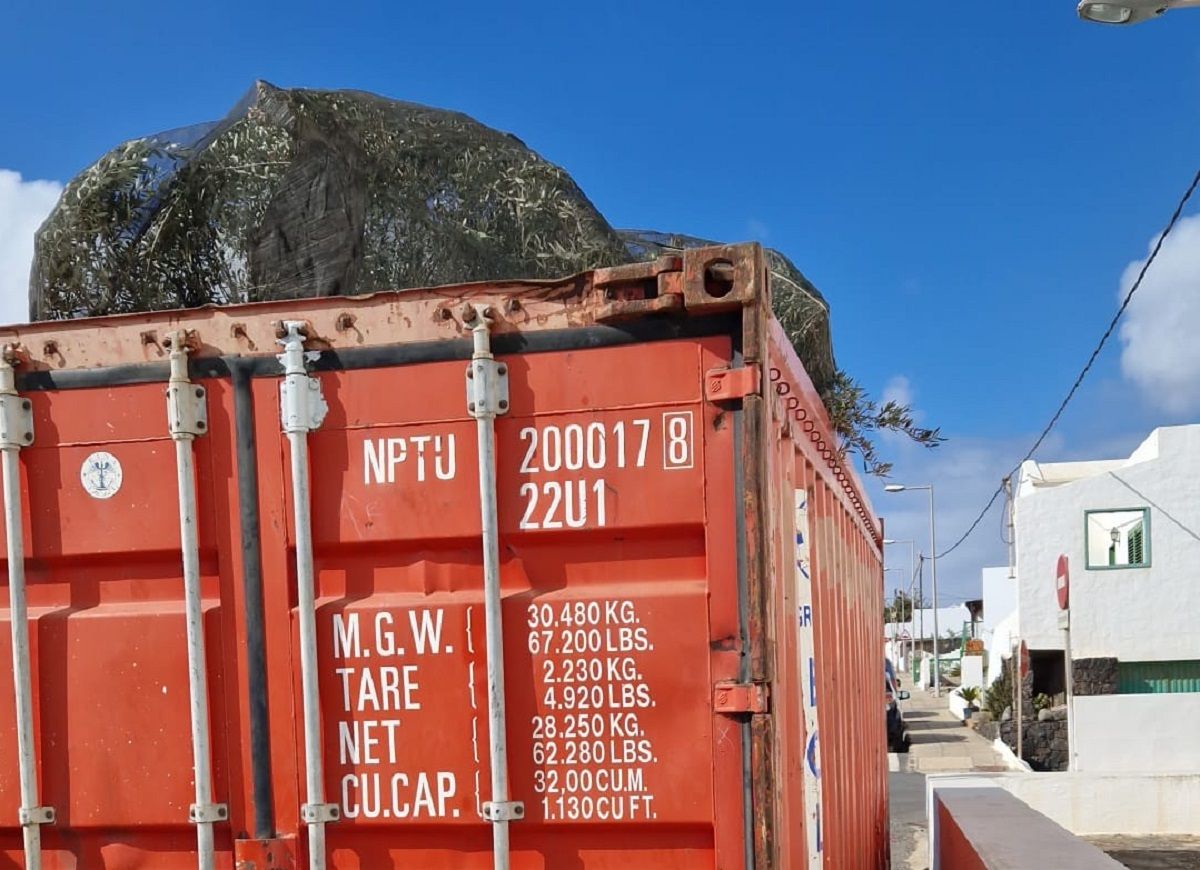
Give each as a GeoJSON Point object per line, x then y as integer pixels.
{"type": "Point", "coordinates": [260, 541]}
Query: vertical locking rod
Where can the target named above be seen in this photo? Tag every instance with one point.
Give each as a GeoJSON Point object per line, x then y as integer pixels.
{"type": "Point", "coordinates": [16, 431]}
{"type": "Point", "coordinates": [302, 408]}
{"type": "Point", "coordinates": [487, 397]}
{"type": "Point", "coordinates": [187, 418]}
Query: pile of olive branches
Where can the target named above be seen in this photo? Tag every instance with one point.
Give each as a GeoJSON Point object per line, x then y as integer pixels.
{"type": "Point", "coordinates": [300, 193]}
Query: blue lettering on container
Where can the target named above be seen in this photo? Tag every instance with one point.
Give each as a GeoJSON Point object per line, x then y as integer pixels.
{"type": "Point", "coordinates": [812, 681]}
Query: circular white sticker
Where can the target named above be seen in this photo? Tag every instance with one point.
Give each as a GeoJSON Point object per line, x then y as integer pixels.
{"type": "Point", "coordinates": [101, 475]}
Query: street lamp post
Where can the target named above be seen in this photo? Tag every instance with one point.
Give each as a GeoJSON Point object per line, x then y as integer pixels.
{"type": "Point", "coordinates": [912, 558]}
{"type": "Point", "coordinates": [912, 637]}
{"type": "Point", "coordinates": [937, 659]}
{"type": "Point", "coordinates": [895, 616]}
{"type": "Point", "coordinates": [897, 589]}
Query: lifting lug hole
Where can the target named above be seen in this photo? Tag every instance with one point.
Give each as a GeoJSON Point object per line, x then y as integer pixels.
{"type": "Point", "coordinates": [502, 369]}
{"type": "Point", "coordinates": [718, 278]}
{"type": "Point", "coordinates": [470, 406]}
{"type": "Point", "coordinates": [503, 405]}
{"type": "Point", "coordinates": [26, 404]}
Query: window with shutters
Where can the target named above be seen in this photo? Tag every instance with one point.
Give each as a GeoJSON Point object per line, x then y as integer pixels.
{"type": "Point", "coordinates": [1135, 545]}
{"type": "Point", "coordinates": [1117, 538]}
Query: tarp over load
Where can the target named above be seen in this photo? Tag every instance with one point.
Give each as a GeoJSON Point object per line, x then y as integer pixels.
{"type": "Point", "coordinates": [301, 193]}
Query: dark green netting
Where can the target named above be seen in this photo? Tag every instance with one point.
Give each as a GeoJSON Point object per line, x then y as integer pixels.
{"type": "Point", "coordinates": [300, 193]}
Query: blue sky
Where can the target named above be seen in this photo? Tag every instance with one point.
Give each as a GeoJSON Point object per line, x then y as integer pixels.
{"type": "Point", "coordinates": [966, 182]}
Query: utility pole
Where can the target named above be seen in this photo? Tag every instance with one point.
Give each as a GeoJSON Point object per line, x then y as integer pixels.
{"type": "Point", "coordinates": [937, 659]}
{"type": "Point", "coordinates": [921, 598]}
{"type": "Point", "coordinates": [1012, 531]}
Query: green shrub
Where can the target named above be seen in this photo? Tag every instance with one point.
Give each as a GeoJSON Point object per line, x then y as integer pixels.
{"type": "Point", "coordinates": [998, 697]}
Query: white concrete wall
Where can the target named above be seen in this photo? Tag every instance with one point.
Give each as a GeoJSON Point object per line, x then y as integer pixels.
{"type": "Point", "coordinates": [1089, 803]}
{"type": "Point", "coordinates": [999, 600]}
{"type": "Point", "coordinates": [972, 672]}
{"type": "Point", "coordinates": [1135, 614]}
{"type": "Point", "coordinates": [950, 619]}
{"type": "Point", "coordinates": [956, 705]}
{"type": "Point", "coordinates": [1138, 733]}
{"type": "Point", "coordinates": [1004, 640]}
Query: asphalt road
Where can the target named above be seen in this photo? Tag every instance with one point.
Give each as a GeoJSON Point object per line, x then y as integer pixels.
{"type": "Point", "coordinates": [906, 800]}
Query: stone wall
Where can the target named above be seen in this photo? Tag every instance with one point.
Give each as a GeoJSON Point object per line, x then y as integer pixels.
{"type": "Point", "coordinates": [988, 729]}
{"type": "Point", "coordinates": [1044, 739]}
{"type": "Point", "coordinates": [1044, 736]}
{"type": "Point", "coordinates": [1094, 676]}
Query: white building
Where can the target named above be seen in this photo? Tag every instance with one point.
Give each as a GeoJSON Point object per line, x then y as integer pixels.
{"type": "Point", "coordinates": [999, 629]}
{"type": "Point", "coordinates": [1130, 529]}
{"type": "Point", "coordinates": [901, 638]}
{"type": "Point", "coordinates": [999, 600]}
{"type": "Point", "coordinates": [950, 621]}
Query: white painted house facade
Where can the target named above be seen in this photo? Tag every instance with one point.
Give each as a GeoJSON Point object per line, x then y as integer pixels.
{"type": "Point", "coordinates": [1131, 531]}
{"type": "Point", "coordinates": [999, 629]}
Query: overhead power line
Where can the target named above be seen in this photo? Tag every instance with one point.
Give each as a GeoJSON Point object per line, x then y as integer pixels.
{"type": "Point", "coordinates": [1087, 366]}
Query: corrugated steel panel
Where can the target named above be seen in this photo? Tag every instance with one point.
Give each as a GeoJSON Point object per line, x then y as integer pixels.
{"type": "Point", "coordinates": [1147, 678]}
{"type": "Point", "coordinates": [675, 682]}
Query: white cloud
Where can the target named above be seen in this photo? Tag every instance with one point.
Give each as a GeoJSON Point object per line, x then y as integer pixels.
{"type": "Point", "coordinates": [1161, 351]}
{"type": "Point", "coordinates": [899, 390]}
{"type": "Point", "coordinates": [23, 207]}
{"type": "Point", "coordinates": [964, 471]}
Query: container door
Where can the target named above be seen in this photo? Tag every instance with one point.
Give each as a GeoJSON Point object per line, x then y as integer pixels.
{"type": "Point", "coordinates": [107, 634]}
{"type": "Point", "coordinates": [618, 571]}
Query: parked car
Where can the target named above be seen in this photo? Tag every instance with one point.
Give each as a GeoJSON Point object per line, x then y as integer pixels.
{"type": "Point", "coordinates": [897, 731]}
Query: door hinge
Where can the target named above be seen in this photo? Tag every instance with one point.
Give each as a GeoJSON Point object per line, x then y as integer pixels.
{"type": "Point", "coordinates": [36, 816]}
{"type": "Point", "coordinates": [187, 410]}
{"type": "Point", "coordinates": [16, 421]}
{"type": "Point", "coordinates": [725, 384]}
{"type": "Point", "coordinates": [207, 814]}
{"type": "Point", "coordinates": [317, 814]}
{"type": "Point", "coordinates": [503, 811]}
{"type": "Point", "coordinates": [302, 406]}
{"type": "Point", "coordinates": [730, 697]}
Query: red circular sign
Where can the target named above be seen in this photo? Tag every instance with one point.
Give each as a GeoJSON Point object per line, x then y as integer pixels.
{"type": "Point", "coordinates": [1062, 583]}
{"type": "Point", "coordinates": [1024, 660]}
